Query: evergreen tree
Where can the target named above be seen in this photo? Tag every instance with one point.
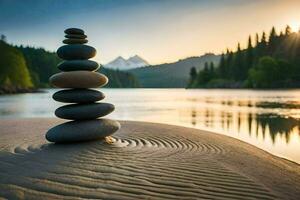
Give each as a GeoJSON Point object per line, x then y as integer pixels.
{"type": "Point", "coordinates": [256, 39]}
{"type": "Point", "coordinates": [222, 66]}
{"type": "Point", "coordinates": [193, 73]}
{"type": "Point", "coordinates": [273, 35]}
{"type": "Point", "coordinates": [272, 41]}
{"type": "Point", "coordinates": [261, 47]}
{"type": "Point", "coordinates": [288, 30]}
{"type": "Point", "coordinates": [212, 67]}
{"type": "Point", "coordinates": [229, 65]}
{"type": "Point", "coordinates": [249, 57]}
{"type": "Point", "coordinates": [204, 76]}
{"type": "Point", "coordinates": [206, 68]}
{"type": "Point", "coordinates": [238, 67]}
{"type": "Point", "coordinates": [193, 76]}
{"type": "Point", "coordinates": [212, 71]}
{"type": "Point", "coordinates": [269, 63]}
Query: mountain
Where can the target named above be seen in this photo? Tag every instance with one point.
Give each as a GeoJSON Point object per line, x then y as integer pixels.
{"type": "Point", "coordinates": [123, 64]}
{"type": "Point", "coordinates": [24, 69]}
{"type": "Point", "coordinates": [171, 75]}
{"type": "Point", "coordinates": [138, 61]}
{"type": "Point", "coordinates": [119, 79]}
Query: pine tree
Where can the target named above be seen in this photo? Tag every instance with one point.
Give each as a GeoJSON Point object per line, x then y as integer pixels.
{"type": "Point", "coordinates": [222, 66]}
{"type": "Point", "coordinates": [193, 73]}
{"type": "Point", "coordinates": [249, 57]}
{"type": "Point", "coordinates": [256, 39]}
{"type": "Point", "coordinates": [272, 40]}
{"type": "Point", "coordinates": [212, 73]}
{"type": "Point", "coordinates": [273, 34]}
{"type": "Point", "coordinates": [193, 76]}
{"type": "Point", "coordinates": [204, 76]}
{"type": "Point", "coordinates": [270, 62]}
{"type": "Point", "coordinates": [288, 30]}
{"type": "Point", "coordinates": [206, 67]}
{"type": "Point", "coordinates": [238, 67]}
{"type": "Point", "coordinates": [261, 47]}
{"type": "Point", "coordinates": [263, 39]}
{"type": "Point", "coordinates": [229, 65]}
{"type": "Point", "coordinates": [212, 67]}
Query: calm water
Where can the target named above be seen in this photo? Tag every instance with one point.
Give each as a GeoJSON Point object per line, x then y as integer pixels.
{"type": "Point", "coordinates": [267, 119]}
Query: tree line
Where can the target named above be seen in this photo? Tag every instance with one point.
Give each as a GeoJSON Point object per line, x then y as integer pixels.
{"type": "Point", "coordinates": [28, 68]}
{"type": "Point", "coordinates": [269, 62]}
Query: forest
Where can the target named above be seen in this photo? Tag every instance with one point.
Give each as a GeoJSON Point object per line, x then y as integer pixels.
{"type": "Point", "coordinates": [26, 69]}
{"type": "Point", "coordinates": [269, 62]}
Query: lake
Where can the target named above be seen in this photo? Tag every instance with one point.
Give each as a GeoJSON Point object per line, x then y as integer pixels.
{"type": "Point", "coordinates": [267, 119]}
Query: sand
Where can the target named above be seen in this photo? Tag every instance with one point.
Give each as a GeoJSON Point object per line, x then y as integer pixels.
{"type": "Point", "coordinates": [146, 161]}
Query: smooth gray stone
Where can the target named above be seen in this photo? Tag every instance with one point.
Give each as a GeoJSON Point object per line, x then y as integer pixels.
{"type": "Point", "coordinates": [76, 52]}
{"type": "Point", "coordinates": [75, 41]}
{"type": "Point", "coordinates": [84, 111]}
{"type": "Point", "coordinates": [78, 65]}
{"type": "Point", "coordinates": [80, 131]}
{"type": "Point", "coordinates": [78, 79]}
{"type": "Point", "coordinates": [75, 36]}
{"type": "Point", "coordinates": [78, 96]}
{"type": "Point", "coordinates": [76, 31]}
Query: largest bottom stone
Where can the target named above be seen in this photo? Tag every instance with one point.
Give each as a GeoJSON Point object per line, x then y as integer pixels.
{"type": "Point", "coordinates": [84, 130]}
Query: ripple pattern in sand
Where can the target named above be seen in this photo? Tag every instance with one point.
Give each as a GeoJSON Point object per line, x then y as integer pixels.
{"type": "Point", "coordinates": [138, 165]}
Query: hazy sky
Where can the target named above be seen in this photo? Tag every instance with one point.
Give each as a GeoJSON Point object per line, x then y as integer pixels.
{"type": "Point", "coordinates": [158, 30]}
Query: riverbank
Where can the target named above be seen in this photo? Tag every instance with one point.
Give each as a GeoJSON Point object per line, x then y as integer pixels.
{"type": "Point", "coordinates": [18, 90]}
{"type": "Point", "coordinates": [147, 160]}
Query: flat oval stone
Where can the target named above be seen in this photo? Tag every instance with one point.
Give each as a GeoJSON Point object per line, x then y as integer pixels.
{"type": "Point", "coordinates": [76, 52]}
{"type": "Point", "coordinates": [74, 31]}
{"type": "Point", "coordinates": [84, 111]}
{"type": "Point", "coordinates": [81, 131]}
{"type": "Point", "coordinates": [78, 96]}
{"type": "Point", "coordinates": [75, 41]}
{"type": "Point", "coordinates": [76, 65]}
{"type": "Point", "coordinates": [75, 36]}
{"type": "Point", "coordinates": [78, 79]}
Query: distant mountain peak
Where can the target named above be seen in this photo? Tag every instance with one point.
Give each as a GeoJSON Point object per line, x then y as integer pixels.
{"type": "Point", "coordinates": [119, 57]}
{"type": "Point", "coordinates": [123, 64]}
{"type": "Point", "coordinates": [138, 59]}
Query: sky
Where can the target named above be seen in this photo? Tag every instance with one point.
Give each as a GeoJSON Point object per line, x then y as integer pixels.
{"type": "Point", "coordinates": [160, 31]}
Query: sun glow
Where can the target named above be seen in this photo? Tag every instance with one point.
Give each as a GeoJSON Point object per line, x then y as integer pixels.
{"type": "Point", "coordinates": [295, 26]}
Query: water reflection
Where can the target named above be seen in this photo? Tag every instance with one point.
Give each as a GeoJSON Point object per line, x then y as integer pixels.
{"type": "Point", "coordinates": [278, 125]}
{"type": "Point", "coordinates": [256, 123]}
{"type": "Point", "coordinates": [266, 119]}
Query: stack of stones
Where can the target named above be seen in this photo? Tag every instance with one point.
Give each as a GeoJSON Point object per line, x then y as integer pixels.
{"type": "Point", "coordinates": [78, 74]}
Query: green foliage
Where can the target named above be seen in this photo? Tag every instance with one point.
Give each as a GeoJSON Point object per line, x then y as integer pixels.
{"type": "Point", "coordinates": [41, 64]}
{"type": "Point", "coordinates": [171, 75]}
{"type": "Point", "coordinates": [272, 63]}
{"type": "Point", "coordinates": [193, 76]}
{"type": "Point", "coordinates": [13, 69]}
{"type": "Point", "coordinates": [120, 79]}
{"type": "Point", "coordinates": [25, 67]}
{"type": "Point", "coordinates": [265, 73]}
{"type": "Point", "coordinates": [207, 74]}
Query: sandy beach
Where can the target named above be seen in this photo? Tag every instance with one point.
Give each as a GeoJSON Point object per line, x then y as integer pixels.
{"type": "Point", "coordinates": [146, 161]}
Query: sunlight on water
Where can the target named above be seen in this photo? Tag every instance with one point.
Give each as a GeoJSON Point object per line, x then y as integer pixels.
{"type": "Point", "coordinates": [267, 119]}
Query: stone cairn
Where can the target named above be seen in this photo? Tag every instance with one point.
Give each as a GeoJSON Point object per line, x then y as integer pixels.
{"type": "Point", "coordinates": [78, 74]}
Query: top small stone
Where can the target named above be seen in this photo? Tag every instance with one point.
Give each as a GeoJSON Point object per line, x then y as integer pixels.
{"type": "Point", "coordinates": [74, 31]}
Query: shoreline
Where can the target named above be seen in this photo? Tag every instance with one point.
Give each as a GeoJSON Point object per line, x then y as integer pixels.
{"type": "Point", "coordinates": [9, 90]}
{"type": "Point", "coordinates": [6, 91]}
{"type": "Point", "coordinates": [147, 160]}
